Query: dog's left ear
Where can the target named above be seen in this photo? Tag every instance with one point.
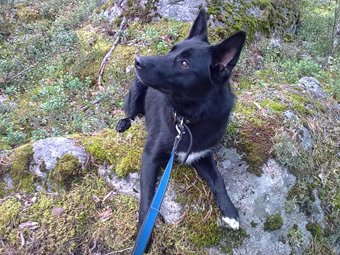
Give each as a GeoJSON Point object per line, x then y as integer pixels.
{"type": "Point", "coordinates": [199, 28]}
{"type": "Point", "coordinates": [227, 53]}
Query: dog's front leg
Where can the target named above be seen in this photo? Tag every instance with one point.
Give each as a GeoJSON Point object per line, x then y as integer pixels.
{"type": "Point", "coordinates": [207, 170]}
{"type": "Point", "coordinates": [148, 178]}
{"type": "Point", "coordinates": [134, 105]}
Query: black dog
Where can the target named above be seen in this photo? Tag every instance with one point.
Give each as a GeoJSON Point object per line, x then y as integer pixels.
{"type": "Point", "coordinates": [192, 80]}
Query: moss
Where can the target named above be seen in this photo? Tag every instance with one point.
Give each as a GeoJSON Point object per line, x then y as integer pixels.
{"type": "Point", "coordinates": [248, 110]}
{"type": "Point", "coordinates": [203, 233]}
{"type": "Point", "coordinates": [314, 229]}
{"type": "Point", "coordinates": [82, 223]}
{"type": "Point", "coordinates": [9, 210]}
{"type": "Point", "coordinates": [299, 104]}
{"type": "Point", "coordinates": [28, 13]}
{"type": "Point", "coordinates": [92, 48]}
{"type": "Point", "coordinates": [273, 222]}
{"type": "Point", "coordinates": [253, 224]}
{"type": "Point", "coordinates": [255, 140]}
{"type": "Point", "coordinates": [273, 105]}
{"type": "Point", "coordinates": [201, 220]}
{"type": "Point", "coordinates": [143, 13]}
{"type": "Point", "coordinates": [122, 57]}
{"type": "Point", "coordinates": [232, 239]}
{"type": "Point", "coordinates": [295, 237]}
{"type": "Point", "coordinates": [236, 16]}
{"type": "Point", "coordinates": [290, 153]}
{"type": "Point", "coordinates": [123, 151]}
{"type": "Point", "coordinates": [21, 157]}
{"type": "Point", "coordinates": [3, 187]}
{"type": "Point", "coordinates": [67, 169]}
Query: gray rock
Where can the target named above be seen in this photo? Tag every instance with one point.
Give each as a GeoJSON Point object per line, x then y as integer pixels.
{"type": "Point", "coordinates": [306, 138]}
{"type": "Point", "coordinates": [317, 212]}
{"type": "Point", "coordinates": [2, 99]}
{"type": "Point", "coordinates": [259, 197]}
{"type": "Point", "coordinates": [171, 211]}
{"type": "Point", "coordinates": [9, 181]}
{"type": "Point", "coordinates": [275, 42]}
{"type": "Point", "coordinates": [311, 85]}
{"type": "Point", "coordinates": [291, 116]}
{"type": "Point", "coordinates": [183, 10]}
{"type": "Point", "coordinates": [46, 153]}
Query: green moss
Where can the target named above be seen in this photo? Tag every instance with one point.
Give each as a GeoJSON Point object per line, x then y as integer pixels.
{"type": "Point", "coordinates": [247, 110]}
{"type": "Point", "coordinates": [203, 233]}
{"type": "Point", "coordinates": [294, 236]}
{"type": "Point", "coordinates": [200, 222]}
{"type": "Point", "coordinates": [314, 229]}
{"type": "Point", "coordinates": [3, 187]}
{"type": "Point", "coordinates": [273, 222]}
{"type": "Point", "coordinates": [253, 224]}
{"type": "Point", "coordinates": [255, 140]}
{"type": "Point", "coordinates": [123, 151]}
{"type": "Point", "coordinates": [67, 169]}
{"type": "Point", "coordinates": [144, 13]}
{"type": "Point", "coordinates": [28, 13]}
{"type": "Point", "coordinates": [9, 210]}
{"type": "Point", "coordinates": [122, 57]}
{"type": "Point", "coordinates": [23, 179]}
{"type": "Point", "coordinates": [232, 239]}
{"type": "Point", "coordinates": [273, 105]}
{"type": "Point", "coordinates": [235, 16]}
{"type": "Point", "coordinates": [244, 84]}
{"type": "Point", "coordinates": [299, 103]}
{"type": "Point", "coordinates": [81, 222]}
{"type": "Point", "coordinates": [290, 153]}
{"type": "Point", "coordinates": [92, 48]}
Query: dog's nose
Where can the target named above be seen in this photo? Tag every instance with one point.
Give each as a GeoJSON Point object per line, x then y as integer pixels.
{"type": "Point", "coordinates": [138, 63]}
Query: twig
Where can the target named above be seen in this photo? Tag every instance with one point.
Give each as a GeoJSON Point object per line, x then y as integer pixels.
{"type": "Point", "coordinates": [116, 252]}
{"type": "Point", "coordinates": [107, 56]}
{"type": "Point", "coordinates": [23, 71]}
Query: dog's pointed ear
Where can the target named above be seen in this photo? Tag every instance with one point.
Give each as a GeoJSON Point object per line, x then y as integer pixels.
{"type": "Point", "coordinates": [199, 28]}
{"type": "Point", "coordinates": [227, 53]}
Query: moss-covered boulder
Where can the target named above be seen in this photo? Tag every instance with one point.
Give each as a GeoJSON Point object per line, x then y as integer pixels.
{"type": "Point", "coordinates": [23, 179]}
{"type": "Point", "coordinates": [268, 17]}
{"type": "Point", "coordinates": [122, 151]}
{"type": "Point", "coordinates": [67, 169]}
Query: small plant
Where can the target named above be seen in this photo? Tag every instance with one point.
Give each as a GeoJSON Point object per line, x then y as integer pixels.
{"type": "Point", "coordinates": [273, 222]}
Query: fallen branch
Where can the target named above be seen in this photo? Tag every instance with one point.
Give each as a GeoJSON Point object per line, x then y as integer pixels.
{"type": "Point", "coordinates": [23, 71]}
{"type": "Point", "coordinates": [107, 56]}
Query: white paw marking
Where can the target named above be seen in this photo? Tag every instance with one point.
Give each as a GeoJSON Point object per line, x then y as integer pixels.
{"type": "Point", "coordinates": [193, 156]}
{"type": "Point", "coordinates": [232, 223]}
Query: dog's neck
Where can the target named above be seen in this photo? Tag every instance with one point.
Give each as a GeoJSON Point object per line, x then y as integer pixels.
{"type": "Point", "coordinates": [204, 108]}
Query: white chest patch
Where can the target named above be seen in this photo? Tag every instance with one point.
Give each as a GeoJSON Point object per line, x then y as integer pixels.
{"type": "Point", "coordinates": [192, 157]}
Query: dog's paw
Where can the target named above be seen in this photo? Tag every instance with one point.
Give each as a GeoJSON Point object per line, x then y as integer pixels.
{"type": "Point", "coordinates": [123, 125]}
{"type": "Point", "coordinates": [231, 223]}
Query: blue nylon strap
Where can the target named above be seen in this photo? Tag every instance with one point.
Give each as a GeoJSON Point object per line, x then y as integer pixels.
{"type": "Point", "coordinates": [150, 219]}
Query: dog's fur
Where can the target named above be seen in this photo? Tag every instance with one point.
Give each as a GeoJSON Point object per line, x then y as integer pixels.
{"type": "Point", "coordinates": [192, 80]}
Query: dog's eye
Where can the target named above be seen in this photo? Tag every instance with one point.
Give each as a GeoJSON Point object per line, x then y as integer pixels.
{"type": "Point", "coordinates": [184, 63]}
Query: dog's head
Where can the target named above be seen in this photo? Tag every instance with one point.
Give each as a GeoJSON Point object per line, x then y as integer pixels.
{"type": "Point", "coordinates": [193, 67]}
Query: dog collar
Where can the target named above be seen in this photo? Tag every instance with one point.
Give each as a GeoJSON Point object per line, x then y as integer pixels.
{"type": "Point", "coordinates": [179, 118]}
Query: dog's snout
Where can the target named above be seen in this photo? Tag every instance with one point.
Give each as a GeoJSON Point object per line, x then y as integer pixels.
{"type": "Point", "coordinates": [138, 62]}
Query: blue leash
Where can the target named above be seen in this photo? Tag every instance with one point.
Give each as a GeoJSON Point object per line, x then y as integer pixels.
{"type": "Point", "coordinates": [150, 219]}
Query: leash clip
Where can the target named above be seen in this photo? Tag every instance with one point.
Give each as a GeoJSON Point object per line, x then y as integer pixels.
{"type": "Point", "coordinates": [180, 129]}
